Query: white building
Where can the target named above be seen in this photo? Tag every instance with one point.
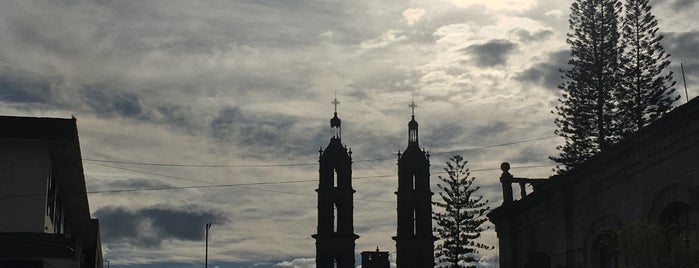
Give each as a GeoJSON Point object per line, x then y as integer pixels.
{"type": "Point", "coordinates": [44, 214]}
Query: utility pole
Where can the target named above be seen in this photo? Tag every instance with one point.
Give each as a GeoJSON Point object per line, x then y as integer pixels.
{"type": "Point", "coordinates": [685, 82]}
{"type": "Point", "coordinates": [206, 252]}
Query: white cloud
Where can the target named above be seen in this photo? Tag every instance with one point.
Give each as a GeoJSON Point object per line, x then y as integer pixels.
{"type": "Point", "coordinates": [413, 15]}
{"type": "Point", "coordinates": [496, 5]}
{"type": "Point", "coordinates": [298, 263]}
{"type": "Point", "coordinates": [384, 40]}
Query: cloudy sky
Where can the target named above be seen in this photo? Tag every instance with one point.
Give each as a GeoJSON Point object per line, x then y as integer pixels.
{"type": "Point", "coordinates": [234, 96]}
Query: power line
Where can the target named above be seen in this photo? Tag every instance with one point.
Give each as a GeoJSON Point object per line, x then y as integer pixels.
{"type": "Point", "coordinates": [297, 181]}
{"type": "Point", "coordinates": [242, 185]}
{"type": "Point", "coordinates": [196, 165]}
{"type": "Point", "coordinates": [300, 164]}
{"type": "Point", "coordinates": [272, 182]}
{"type": "Point", "coordinates": [150, 173]}
{"type": "Point", "coordinates": [497, 145]}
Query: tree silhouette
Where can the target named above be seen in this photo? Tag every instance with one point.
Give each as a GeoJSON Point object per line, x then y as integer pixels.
{"type": "Point", "coordinates": [645, 92]}
{"type": "Point", "coordinates": [587, 106]}
{"type": "Point", "coordinates": [460, 224]}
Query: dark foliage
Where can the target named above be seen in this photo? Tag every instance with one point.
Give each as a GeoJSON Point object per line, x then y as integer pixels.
{"type": "Point", "coordinates": [587, 107]}
{"type": "Point", "coordinates": [646, 91]}
{"type": "Point", "coordinates": [460, 223]}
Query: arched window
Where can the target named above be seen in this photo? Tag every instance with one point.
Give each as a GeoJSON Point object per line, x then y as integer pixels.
{"type": "Point", "coordinates": [604, 251]}
{"type": "Point", "coordinates": [336, 183]}
{"type": "Point", "coordinates": [675, 215]}
{"type": "Point", "coordinates": [412, 177]}
{"type": "Point", "coordinates": [414, 222]}
{"type": "Point", "coordinates": [674, 219]}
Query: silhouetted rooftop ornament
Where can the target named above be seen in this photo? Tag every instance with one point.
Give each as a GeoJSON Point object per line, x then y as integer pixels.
{"type": "Point", "coordinates": [505, 167]}
{"type": "Point", "coordinates": [335, 121]}
{"type": "Point", "coordinates": [506, 179]}
{"type": "Point", "coordinates": [335, 102]}
{"type": "Point", "coordinates": [412, 125]}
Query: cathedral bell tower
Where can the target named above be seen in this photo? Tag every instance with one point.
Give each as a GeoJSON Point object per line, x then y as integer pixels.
{"type": "Point", "coordinates": [414, 241]}
{"type": "Point", "coordinates": [335, 235]}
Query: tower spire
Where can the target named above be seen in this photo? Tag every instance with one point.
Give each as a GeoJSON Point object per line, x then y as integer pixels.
{"type": "Point", "coordinates": [414, 239]}
{"type": "Point", "coordinates": [335, 237]}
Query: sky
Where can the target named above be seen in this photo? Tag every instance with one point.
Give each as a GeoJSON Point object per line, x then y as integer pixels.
{"type": "Point", "coordinates": [234, 98]}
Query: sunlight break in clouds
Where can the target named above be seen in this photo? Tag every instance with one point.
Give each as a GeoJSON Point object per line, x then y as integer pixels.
{"type": "Point", "coordinates": [413, 15]}
{"type": "Point", "coordinates": [496, 4]}
{"type": "Point", "coordinates": [298, 263]}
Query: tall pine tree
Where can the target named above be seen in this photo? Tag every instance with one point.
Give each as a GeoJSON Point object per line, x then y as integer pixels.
{"type": "Point", "coordinates": [587, 106]}
{"type": "Point", "coordinates": [460, 224]}
{"type": "Point", "coordinates": [647, 92]}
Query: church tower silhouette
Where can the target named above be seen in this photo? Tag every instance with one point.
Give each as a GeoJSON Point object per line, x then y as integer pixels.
{"type": "Point", "coordinates": [414, 241]}
{"type": "Point", "coordinates": [335, 235]}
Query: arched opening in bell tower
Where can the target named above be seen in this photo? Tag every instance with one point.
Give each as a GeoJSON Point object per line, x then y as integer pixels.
{"type": "Point", "coordinates": [334, 178]}
{"type": "Point", "coordinates": [414, 181]}
{"type": "Point", "coordinates": [335, 220]}
{"type": "Point", "coordinates": [414, 222]}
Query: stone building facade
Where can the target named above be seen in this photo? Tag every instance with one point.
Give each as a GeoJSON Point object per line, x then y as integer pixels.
{"type": "Point", "coordinates": [652, 176]}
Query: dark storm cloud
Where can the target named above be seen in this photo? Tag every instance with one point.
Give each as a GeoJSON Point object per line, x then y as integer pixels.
{"type": "Point", "coordinates": [250, 129]}
{"type": "Point", "coordinates": [176, 114]}
{"type": "Point", "coordinates": [546, 74]}
{"type": "Point", "coordinates": [149, 227]}
{"type": "Point", "coordinates": [492, 53]}
{"type": "Point", "coordinates": [106, 102]}
{"type": "Point", "coordinates": [17, 90]}
{"type": "Point", "coordinates": [682, 45]}
{"type": "Point", "coordinates": [263, 134]}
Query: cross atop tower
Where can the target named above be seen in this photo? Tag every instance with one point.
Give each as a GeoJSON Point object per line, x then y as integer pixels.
{"type": "Point", "coordinates": [335, 102]}
{"type": "Point", "coordinates": [412, 125]}
{"type": "Point", "coordinates": [335, 121]}
{"type": "Point", "coordinates": [412, 105]}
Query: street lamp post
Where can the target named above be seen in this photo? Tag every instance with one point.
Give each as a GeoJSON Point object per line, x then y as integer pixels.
{"type": "Point", "coordinates": [206, 252]}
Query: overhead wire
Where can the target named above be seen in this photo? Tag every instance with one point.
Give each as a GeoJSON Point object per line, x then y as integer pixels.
{"type": "Point", "coordinates": [243, 185]}
{"type": "Point", "coordinates": [300, 164]}
{"type": "Point", "coordinates": [266, 183]}
{"type": "Point", "coordinates": [100, 162]}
